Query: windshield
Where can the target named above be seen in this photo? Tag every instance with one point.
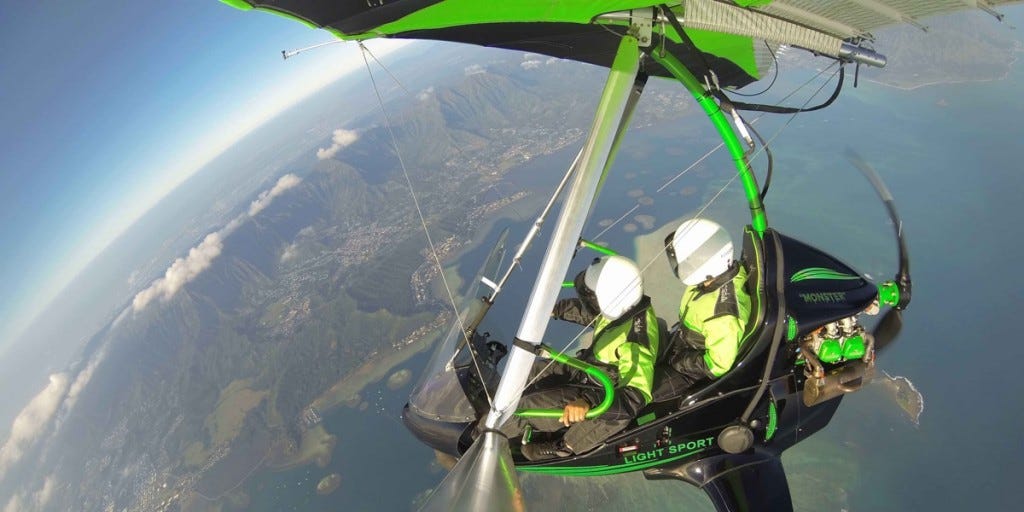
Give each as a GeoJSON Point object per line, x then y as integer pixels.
{"type": "Point", "coordinates": [439, 393]}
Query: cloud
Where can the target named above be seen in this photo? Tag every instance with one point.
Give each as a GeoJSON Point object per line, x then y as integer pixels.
{"type": "Point", "coordinates": [83, 378]}
{"type": "Point", "coordinates": [200, 257]}
{"type": "Point", "coordinates": [530, 64]}
{"type": "Point", "coordinates": [425, 94]}
{"type": "Point", "coordinates": [339, 139]}
{"type": "Point", "coordinates": [182, 270]}
{"type": "Point", "coordinates": [42, 497]}
{"type": "Point", "coordinates": [289, 253]}
{"type": "Point", "coordinates": [284, 183]}
{"type": "Point", "coordinates": [32, 421]}
{"type": "Point", "coordinates": [307, 231]}
{"type": "Point", "coordinates": [475, 69]}
{"type": "Point", "coordinates": [551, 61]}
{"type": "Point", "coordinates": [230, 227]}
{"type": "Point", "coordinates": [15, 504]}
{"type": "Point", "coordinates": [36, 501]}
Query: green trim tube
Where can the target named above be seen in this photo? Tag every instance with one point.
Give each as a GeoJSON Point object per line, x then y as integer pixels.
{"type": "Point", "coordinates": [597, 248]}
{"type": "Point", "coordinates": [758, 219]}
{"type": "Point", "coordinates": [589, 369]}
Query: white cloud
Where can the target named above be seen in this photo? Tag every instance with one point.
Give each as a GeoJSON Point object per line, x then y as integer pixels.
{"type": "Point", "coordinates": [339, 139]}
{"type": "Point", "coordinates": [292, 84]}
{"type": "Point", "coordinates": [120, 317]}
{"type": "Point", "coordinates": [289, 253]}
{"type": "Point", "coordinates": [38, 500]}
{"type": "Point", "coordinates": [15, 504]}
{"type": "Point", "coordinates": [230, 227]}
{"type": "Point", "coordinates": [263, 200]}
{"type": "Point", "coordinates": [181, 271]}
{"type": "Point", "coordinates": [200, 257]}
{"type": "Point", "coordinates": [133, 278]}
{"type": "Point", "coordinates": [551, 61]}
{"type": "Point", "coordinates": [307, 231]}
{"type": "Point", "coordinates": [32, 421]}
{"type": "Point", "coordinates": [43, 495]}
{"type": "Point", "coordinates": [475, 69]}
{"type": "Point", "coordinates": [83, 378]}
{"type": "Point", "coordinates": [425, 93]}
{"type": "Point", "coordinates": [530, 64]}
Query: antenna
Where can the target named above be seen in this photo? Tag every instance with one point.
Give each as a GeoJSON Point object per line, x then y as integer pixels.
{"type": "Point", "coordinates": [291, 53]}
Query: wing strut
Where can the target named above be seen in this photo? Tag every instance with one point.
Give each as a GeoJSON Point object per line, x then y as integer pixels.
{"type": "Point", "coordinates": [597, 149]}
{"type": "Point", "coordinates": [484, 475]}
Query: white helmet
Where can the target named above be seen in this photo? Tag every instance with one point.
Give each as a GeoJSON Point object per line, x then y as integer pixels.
{"type": "Point", "coordinates": [612, 284]}
{"type": "Point", "coordinates": [699, 249]}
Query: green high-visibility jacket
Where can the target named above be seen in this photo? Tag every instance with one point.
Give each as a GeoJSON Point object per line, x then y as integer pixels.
{"type": "Point", "coordinates": [627, 343]}
{"type": "Point", "coordinates": [712, 321]}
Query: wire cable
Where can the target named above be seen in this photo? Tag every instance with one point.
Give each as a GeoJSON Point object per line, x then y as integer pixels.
{"type": "Point", "coordinates": [775, 64]}
{"type": "Point", "coordinates": [423, 221]}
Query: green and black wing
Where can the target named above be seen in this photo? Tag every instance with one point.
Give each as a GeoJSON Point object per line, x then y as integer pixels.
{"type": "Point", "coordinates": [729, 36]}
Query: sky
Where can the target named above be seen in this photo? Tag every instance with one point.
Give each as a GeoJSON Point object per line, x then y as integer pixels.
{"type": "Point", "coordinates": [108, 105]}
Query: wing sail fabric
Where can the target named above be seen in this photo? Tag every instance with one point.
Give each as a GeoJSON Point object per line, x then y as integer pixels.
{"type": "Point", "coordinates": [728, 35]}
{"type": "Point", "coordinates": [853, 18]}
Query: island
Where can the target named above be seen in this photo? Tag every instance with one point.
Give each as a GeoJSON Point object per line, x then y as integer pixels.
{"type": "Point", "coordinates": [399, 379]}
{"type": "Point", "coordinates": [328, 484]}
{"type": "Point", "coordinates": [906, 395]}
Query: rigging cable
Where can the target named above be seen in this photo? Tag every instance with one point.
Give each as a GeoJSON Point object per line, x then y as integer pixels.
{"type": "Point", "coordinates": [775, 64]}
{"type": "Point", "coordinates": [385, 68]}
{"type": "Point", "coordinates": [773, 109]}
{"type": "Point", "coordinates": [768, 155]}
{"type": "Point", "coordinates": [720, 145]}
{"type": "Point", "coordinates": [777, 109]}
{"type": "Point", "coordinates": [423, 221]}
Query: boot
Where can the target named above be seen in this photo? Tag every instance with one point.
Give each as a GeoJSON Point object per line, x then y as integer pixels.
{"type": "Point", "coordinates": [545, 451]}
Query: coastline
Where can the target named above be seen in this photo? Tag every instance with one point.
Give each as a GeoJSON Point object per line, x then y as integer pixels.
{"type": "Point", "coordinates": [953, 81]}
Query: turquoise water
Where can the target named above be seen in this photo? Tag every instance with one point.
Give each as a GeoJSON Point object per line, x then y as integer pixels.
{"type": "Point", "coordinates": [382, 466]}
{"type": "Point", "coordinates": [955, 171]}
{"type": "Point", "coordinates": [949, 154]}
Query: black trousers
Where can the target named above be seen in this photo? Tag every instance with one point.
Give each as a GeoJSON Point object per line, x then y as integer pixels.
{"type": "Point", "coordinates": [555, 388]}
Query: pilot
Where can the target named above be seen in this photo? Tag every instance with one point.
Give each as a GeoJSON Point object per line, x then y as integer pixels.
{"type": "Point", "coordinates": [715, 307]}
{"type": "Point", "coordinates": [611, 299]}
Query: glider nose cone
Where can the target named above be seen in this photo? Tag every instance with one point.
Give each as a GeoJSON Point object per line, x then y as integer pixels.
{"type": "Point", "coordinates": [439, 435]}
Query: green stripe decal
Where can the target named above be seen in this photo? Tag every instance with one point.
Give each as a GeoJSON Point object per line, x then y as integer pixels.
{"type": "Point", "coordinates": [241, 5]}
{"type": "Point", "coordinates": [820, 273]}
{"type": "Point", "coordinates": [791, 328]}
{"type": "Point", "coordinates": [454, 13]}
{"type": "Point", "coordinates": [773, 422]}
{"type": "Point", "coordinates": [645, 419]}
{"type": "Point", "coordinates": [604, 470]}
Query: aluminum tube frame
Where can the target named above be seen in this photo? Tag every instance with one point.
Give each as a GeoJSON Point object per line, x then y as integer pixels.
{"type": "Point", "coordinates": [758, 219]}
{"type": "Point", "coordinates": [535, 229]}
{"type": "Point", "coordinates": [596, 151]}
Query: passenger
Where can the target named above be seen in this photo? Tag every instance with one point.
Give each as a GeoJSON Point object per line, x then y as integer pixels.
{"type": "Point", "coordinates": [715, 308]}
{"type": "Point", "coordinates": [625, 340]}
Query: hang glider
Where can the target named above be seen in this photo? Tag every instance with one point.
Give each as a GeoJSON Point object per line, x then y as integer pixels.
{"type": "Point", "coordinates": [725, 437]}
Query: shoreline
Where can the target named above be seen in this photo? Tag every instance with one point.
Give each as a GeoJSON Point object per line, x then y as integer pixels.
{"type": "Point", "coordinates": [953, 81]}
{"type": "Point", "coordinates": [237, 485]}
{"type": "Point", "coordinates": [897, 378]}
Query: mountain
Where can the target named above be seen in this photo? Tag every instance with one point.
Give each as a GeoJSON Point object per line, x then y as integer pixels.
{"type": "Point", "coordinates": [301, 294]}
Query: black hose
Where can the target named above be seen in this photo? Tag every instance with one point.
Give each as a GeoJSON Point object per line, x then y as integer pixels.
{"type": "Point", "coordinates": [776, 109]}
{"type": "Point", "coordinates": [780, 321]}
{"type": "Point", "coordinates": [767, 154]}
